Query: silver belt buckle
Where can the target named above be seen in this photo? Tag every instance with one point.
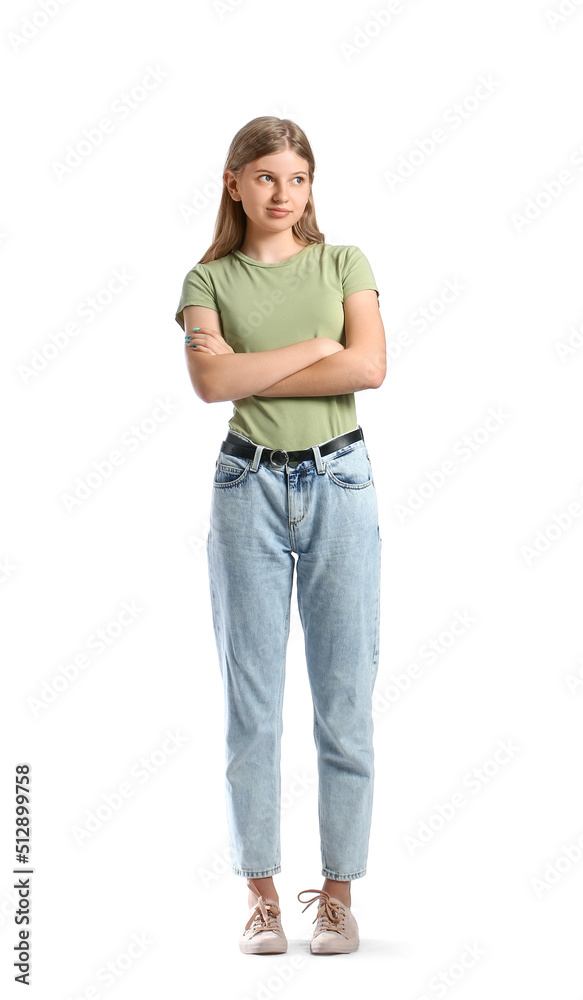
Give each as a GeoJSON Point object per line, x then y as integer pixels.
{"type": "Point", "coordinates": [279, 451]}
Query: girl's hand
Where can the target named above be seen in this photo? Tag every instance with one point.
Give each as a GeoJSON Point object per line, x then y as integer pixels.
{"type": "Point", "coordinates": [203, 340]}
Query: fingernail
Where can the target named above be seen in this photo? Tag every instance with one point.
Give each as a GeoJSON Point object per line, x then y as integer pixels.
{"type": "Point", "coordinates": [195, 328]}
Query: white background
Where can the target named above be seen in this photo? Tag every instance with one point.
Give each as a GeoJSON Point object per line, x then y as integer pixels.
{"type": "Point", "coordinates": [493, 541]}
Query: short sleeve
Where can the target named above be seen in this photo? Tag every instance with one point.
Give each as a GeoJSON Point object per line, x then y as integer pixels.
{"type": "Point", "coordinates": [357, 273]}
{"type": "Point", "coordinates": [197, 290]}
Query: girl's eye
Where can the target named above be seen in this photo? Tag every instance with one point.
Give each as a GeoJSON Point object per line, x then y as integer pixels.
{"type": "Point", "coordinates": [295, 178]}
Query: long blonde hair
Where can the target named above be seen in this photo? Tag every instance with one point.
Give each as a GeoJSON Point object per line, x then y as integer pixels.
{"type": "Point", "coordinates": [260, 137]}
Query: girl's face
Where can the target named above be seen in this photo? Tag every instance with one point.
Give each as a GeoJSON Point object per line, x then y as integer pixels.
{"type": "Point", "coordinates": [279, 180]}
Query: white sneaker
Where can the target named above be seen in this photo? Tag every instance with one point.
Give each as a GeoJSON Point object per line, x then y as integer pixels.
{"type": "Point", "coordinates": [336, 929]}
{"type": "Point", "coordinates": [263, 934]}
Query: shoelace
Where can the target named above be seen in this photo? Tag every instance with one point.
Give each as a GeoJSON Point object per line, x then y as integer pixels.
{"type": "Point", "coordinates": [263, 917]}
{"type": "Point", "coordinates": [330, 914]}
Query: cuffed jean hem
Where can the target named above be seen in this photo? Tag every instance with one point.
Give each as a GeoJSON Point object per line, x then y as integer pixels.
{"type": "Point", "coordinates": [342, 878]}
{"type": "Point", "coordinates": [263, 874]}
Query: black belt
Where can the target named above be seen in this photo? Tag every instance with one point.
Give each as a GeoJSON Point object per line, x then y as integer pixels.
{"type": "Point", "coordinates": [232, 446]}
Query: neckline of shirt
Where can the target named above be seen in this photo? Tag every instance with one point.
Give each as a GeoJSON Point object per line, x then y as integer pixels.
{"type": "Point", "coordinates": [277, 263]}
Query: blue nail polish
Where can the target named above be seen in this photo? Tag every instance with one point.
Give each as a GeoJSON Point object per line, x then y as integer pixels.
{"type": "Point", "coordinates": [195, 328]}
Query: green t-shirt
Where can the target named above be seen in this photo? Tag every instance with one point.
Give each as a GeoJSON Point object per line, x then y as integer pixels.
{"type": "Point", "coordinates": [263, 306]}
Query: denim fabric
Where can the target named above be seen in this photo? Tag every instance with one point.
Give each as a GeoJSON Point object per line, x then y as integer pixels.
{"type": "Point", "coordinates": [325, 510]}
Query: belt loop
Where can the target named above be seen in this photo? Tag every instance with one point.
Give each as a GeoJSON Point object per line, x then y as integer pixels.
{"type": "Point", "coordinates": [318, 460]}
{"type": "Point", "coordinates": [256, 457]}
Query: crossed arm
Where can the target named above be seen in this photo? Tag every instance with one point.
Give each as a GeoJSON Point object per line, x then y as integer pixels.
{"type": "Point", "coordinates": [360, 365]}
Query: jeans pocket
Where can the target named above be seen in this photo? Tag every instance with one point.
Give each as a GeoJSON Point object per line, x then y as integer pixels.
{"type": "Point", "coordinates": [351, 469]}
{"type": "Point", "coordinates": [230, 470]}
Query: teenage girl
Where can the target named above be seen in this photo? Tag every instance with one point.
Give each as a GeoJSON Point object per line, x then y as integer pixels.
{"type": "Point", "coordinates": [288, 328]}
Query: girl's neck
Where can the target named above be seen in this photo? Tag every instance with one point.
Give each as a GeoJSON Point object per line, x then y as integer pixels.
{"type": "Point", "coordinates": [268, 251]}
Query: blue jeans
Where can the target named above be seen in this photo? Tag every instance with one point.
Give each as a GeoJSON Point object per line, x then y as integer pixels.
{"type": "Point", "coordinates": [324, 510]}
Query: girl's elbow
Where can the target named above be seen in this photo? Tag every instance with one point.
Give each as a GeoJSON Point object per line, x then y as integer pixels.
{"type": "Point", "coordinates": [201, 383]}
{"type": "Point", "coordinates": [379, 378]}
{"type": "Point", "coordinates": [208, 396]}
{"type": "Point", "coordinates": [373, 373]}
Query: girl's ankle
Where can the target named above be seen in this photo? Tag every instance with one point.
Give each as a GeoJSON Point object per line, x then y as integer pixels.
{"type": "Point", "coordinates": [267, 893]}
